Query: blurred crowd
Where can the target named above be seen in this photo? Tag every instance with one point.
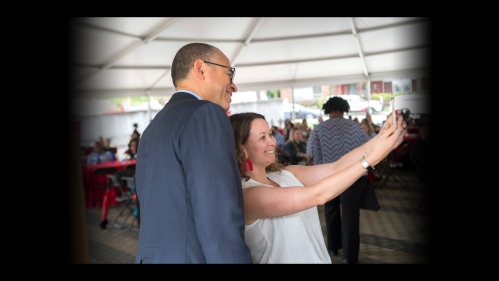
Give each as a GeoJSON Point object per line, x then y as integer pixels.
{"type": "Point", "coordinates": [292, 140]}
{"type": "Point", "coordinates": [102, 151]}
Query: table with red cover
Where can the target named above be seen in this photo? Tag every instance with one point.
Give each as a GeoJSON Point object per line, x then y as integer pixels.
{"type": "Point", "coordinates": [94, 196]}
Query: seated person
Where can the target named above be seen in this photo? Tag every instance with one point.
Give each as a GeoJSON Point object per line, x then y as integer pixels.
{"type": "Point", "coordinates": [108, 148]}
{"type": "Point", "coordinates": [296, 148]}
{"type": "Point", "coordinates": [98, 155]}
{"type": "Point", "coordinates": [279, 138]}
{"type": "Point", "coordinates": [107, 145]}
{"type": "Point", "coordinates": [131, 153]}
{"type": "Point", "coordinates": [368, 129]}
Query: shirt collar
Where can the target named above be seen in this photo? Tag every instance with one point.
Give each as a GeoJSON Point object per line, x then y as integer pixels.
{"type": "Point", "coordinates": [192, 93]}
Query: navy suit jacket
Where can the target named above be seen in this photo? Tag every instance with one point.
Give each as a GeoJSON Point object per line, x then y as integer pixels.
{"type": "Point", "coordinates": [189, 187]}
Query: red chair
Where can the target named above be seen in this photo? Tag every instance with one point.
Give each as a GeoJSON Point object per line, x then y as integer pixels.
{"type": "Point", "coordinates": [88, 150]}
{"type": "Point", "coordinates": [413, 130]}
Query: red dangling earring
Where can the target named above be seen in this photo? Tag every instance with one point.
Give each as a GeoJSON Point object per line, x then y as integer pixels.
{"type": "Point", "coordinates": [250, 165]}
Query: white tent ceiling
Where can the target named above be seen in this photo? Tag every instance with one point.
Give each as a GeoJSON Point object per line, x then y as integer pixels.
{"type": "Point", "coordinates": [118, 57]}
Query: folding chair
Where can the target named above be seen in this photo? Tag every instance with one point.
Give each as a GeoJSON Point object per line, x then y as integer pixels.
{"type": "Point", "coordinates": [130, 207]}
{"type": "Point", "coordinates": [103, 171]}
{"type": "Point", "coordinates": [394, 160]}
{"type": "Point", "coordinates": [124, 195]}
{"type": "Point", "coordinates": [424, 177]}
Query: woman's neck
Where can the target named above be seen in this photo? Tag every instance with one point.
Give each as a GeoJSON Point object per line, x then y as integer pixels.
{"type": "Point", "coordinates": [258, 174]}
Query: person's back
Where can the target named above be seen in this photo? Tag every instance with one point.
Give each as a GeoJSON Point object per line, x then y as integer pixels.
{"type": "Point", "coordinates": [337, 137]}
{"type": "Point", "coordinates": [329, 141]}
{"type": "Point", "coordinates": [187, 178]}
{"type": "Point", "coordinates": [171, 217]}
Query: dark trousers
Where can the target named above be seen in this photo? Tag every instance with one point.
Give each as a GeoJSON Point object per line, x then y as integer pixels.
{"type": "Point", "coordinates": [343, 229]}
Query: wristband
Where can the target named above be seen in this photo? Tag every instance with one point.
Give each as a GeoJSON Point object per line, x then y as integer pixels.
{"type": "Point", "coordinates": [365, 164]}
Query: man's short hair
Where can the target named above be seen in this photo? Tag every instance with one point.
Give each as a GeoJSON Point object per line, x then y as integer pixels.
{"type": "Point", "coordinates": [187, 55]}
{"type": "Point", "coordinates": [336, 104]}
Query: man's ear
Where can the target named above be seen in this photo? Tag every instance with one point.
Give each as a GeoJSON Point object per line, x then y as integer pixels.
{"type": "Point", "coordinates": [199, 69]}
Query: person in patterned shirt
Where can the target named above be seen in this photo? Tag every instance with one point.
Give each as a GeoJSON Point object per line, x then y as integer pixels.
{"type": "Point", "coordinates": [328, 142]}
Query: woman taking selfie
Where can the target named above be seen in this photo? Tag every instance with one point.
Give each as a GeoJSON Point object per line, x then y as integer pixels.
{"type": "Point", "coordinates": [281, 220]}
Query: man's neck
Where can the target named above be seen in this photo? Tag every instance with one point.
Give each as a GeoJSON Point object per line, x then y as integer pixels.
{"type": "Point", "coordinates": [193, 89]}
{"type": "Point", "coordinates": [336, 114]}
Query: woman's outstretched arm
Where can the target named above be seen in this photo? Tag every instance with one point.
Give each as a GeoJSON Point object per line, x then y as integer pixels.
{"type": "Point", "coordinates": [268, 202]}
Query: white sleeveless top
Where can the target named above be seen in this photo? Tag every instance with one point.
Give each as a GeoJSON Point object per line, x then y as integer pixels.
{"type": "Point", "coordinates": [295, 238]}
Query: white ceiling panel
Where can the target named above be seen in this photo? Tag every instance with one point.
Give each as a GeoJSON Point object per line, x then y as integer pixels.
{"type": "Point", "coordinates": [133, 26]}
{"type": "Point", "coordinates": [78, 72]}
{"type": "Point", "coordinates": [94, 47]}
{"type": "Point", "coordinates": [210, 28]}
{"type": "Point", "coordinates": [264, 73]}
{"type": "Point", "coordinates": [395, 37]}
{"type": "Point", "coordinates": [162, 53]}
{"type": "Point", "coordinates": [122, 79]}
{"type": "Point", "coordinates": [364, 22]}
{"type": "Point", "coordinates": [284, 27]}
{"type": "Point", "coordinates": [398, 61]}
{"type": "Point", "coordinates": [165, 82]}
{"type": "Point", "coordinates": [326, 68]}
{"type": "Point", "coordinates": [271, 59]}
{"type": "Point", "coordinates": [298, 49]}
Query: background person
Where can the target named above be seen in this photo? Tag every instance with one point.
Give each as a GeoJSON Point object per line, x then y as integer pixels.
{"type": "Point", "coordinates": [282, 224]}
{"type": "Point", "coordinates": [135, 126]}
{"type": "Point", "coordinates": [296, 148]}
{"type": "Point", "coordinates": [331, 140]}
{"type": "Point", "coordinates": [98, 155]}
{"type": "Point", "coordinates": [131, 152]}
{"type": "Point", "coordinates": [279, 138]}
{"type": "Point", "coordinates": [107, 145]}
{"type": "Point", "coordinates": [368, 129]}
{"type": "Point", "coordinates": [305, 130]}
{"type": "Point", "coordinates": [287, 129]}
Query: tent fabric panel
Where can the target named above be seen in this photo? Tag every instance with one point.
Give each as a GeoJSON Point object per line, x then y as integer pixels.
{"type": "Point", "coordinates": [410, 59]}
{"type": "Point", "coordinates": [209, 28]}
{"type": "Point", "coordinates": [133, 26]}
{"type": "Point", "coordinates": [122, 79]}
{"type": "Point", "coordinates": [94, 46]}
{"type": "Point", "coordinates": [370, 22]}
{"type": "Point", "coordinates": [284, 27]}
{"type": "Point", "coordinates": [161, 53]}
{"type": "Point", "coordinates": [395, 37]}
{"type": "Point", "coordinates": [298, 49]}
{"type": "Point", "coordinates": [327, 68]}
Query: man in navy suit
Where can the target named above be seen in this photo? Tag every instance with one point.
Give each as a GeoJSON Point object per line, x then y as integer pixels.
{"type": "Point", "coordinates": [187, 178]}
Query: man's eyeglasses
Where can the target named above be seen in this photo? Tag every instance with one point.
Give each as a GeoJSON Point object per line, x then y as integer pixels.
{"type": "Point", "coordinates": [232, 69]}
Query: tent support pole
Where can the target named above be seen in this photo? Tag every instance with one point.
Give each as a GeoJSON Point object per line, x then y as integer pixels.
{"type": "Point", "coordinates": [293, 116]}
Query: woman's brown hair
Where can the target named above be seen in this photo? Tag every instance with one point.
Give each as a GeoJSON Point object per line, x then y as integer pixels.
{"type": "Point", "coordinates": [241, 126]}
{"type": "Point", "coordinates": [370, 128]}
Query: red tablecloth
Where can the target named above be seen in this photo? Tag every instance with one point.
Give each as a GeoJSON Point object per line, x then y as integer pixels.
{"type": "Point", "coordinates": [94, 196]}
{"type": "Point", "coordinates": [411, 139]}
